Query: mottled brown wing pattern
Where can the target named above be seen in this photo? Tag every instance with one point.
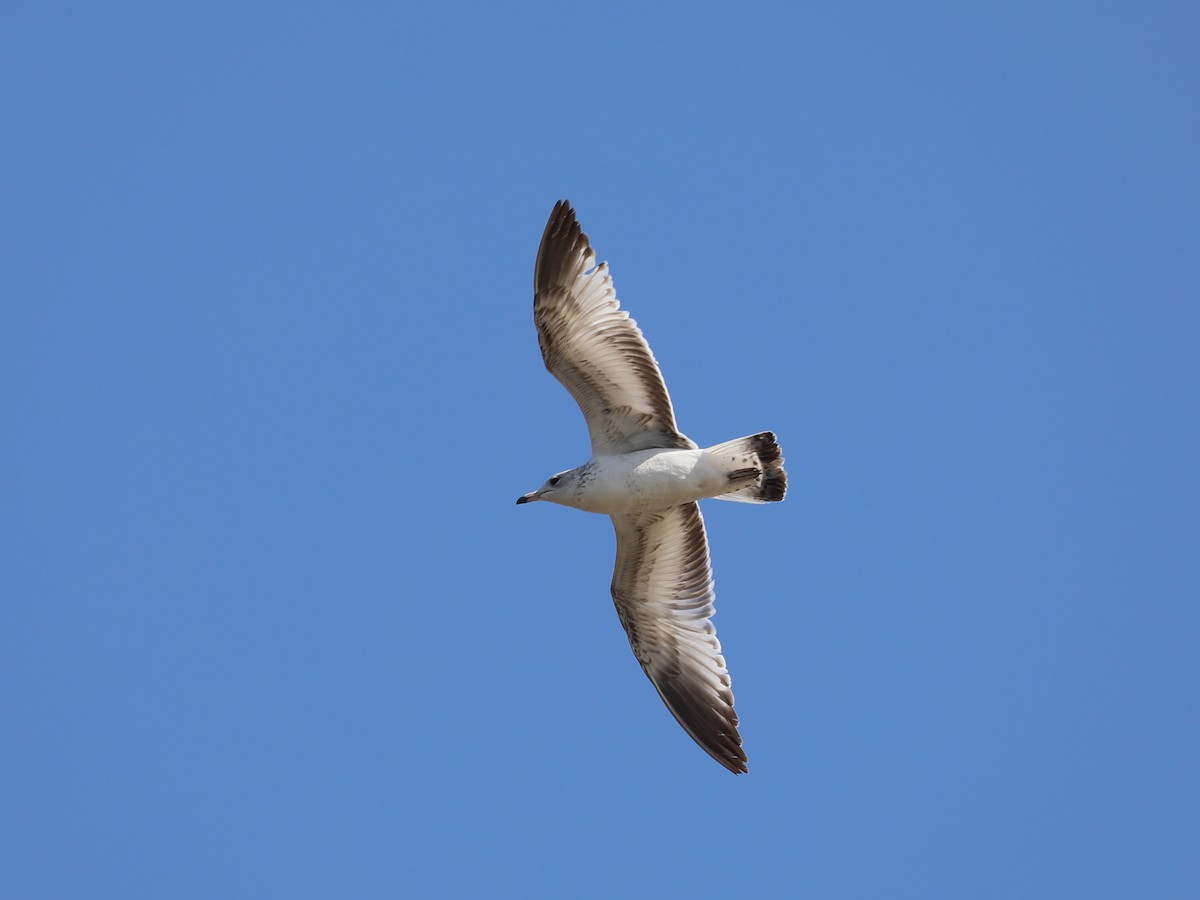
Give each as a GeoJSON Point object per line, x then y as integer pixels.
{"type": "Point", "coordinates": [663, 590]}
{"type": "Point", "coordinates": [594, 348]}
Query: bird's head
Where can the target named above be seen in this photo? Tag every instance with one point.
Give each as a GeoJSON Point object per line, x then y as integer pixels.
{"type": "Point", "coordinates": [557, 489]}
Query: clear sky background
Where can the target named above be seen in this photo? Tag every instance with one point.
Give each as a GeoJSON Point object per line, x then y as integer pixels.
{"type": "Point", "coordinates": [272, 625]}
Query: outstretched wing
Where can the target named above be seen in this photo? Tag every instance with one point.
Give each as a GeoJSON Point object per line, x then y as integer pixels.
{"type": "Point", "coordinates": [663, 589]}
{"type": "Point", "coordinates": [592, 346]}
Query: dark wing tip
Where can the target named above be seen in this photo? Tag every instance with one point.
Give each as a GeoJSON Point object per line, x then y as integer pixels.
{"type": "Point", "coordinates": [562, 239]}
{"type": "Point", "coordinates": [715, 730]}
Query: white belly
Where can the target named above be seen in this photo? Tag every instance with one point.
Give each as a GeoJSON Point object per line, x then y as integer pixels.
{"type": "Point", "coordinates": [649, 479]}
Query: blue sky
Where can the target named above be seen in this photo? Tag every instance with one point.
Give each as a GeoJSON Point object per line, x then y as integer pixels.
{"type": "Point", "coordinates": [272, 625]}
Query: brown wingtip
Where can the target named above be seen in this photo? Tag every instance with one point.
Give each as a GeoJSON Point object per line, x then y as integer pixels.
{"type": "Point", "coordinates": [561, 218]}
{"type": "Point", "coordinates": [715, 730]}
{"type": "Point", "coordinates": [562, 238]}
{"type": "Point", "coordinates": [735, 764]}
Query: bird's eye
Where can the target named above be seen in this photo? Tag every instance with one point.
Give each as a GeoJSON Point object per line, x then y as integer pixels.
{"type": "Point", "coordinates": [554, 481]}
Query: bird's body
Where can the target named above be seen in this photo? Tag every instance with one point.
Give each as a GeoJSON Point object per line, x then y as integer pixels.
{"type": "Point", "coordinates": [649, 477]}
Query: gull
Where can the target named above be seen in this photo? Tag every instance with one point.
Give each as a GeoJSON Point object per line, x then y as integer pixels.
{"type": "Point", "coordinates": [649, 477]}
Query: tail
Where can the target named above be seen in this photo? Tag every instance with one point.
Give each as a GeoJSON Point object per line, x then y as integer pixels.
{"type": "Point", "coordinates": [754, 465]}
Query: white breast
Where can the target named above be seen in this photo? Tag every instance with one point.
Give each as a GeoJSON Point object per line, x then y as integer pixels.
{"type": "Point", "coordinates": [648, 479]}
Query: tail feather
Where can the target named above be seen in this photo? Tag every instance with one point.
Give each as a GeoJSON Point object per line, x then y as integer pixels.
{"type": "Point", "coordinates": [756, 456]}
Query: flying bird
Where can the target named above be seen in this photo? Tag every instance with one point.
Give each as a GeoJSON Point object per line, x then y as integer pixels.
{"type": "Point", "coordinates": [648, 476]}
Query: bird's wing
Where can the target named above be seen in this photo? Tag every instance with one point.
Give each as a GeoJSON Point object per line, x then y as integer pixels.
{"type": "Point", "coordinates": [663, 589]}
{"type": "Point", "coordinates": [592, 346]}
